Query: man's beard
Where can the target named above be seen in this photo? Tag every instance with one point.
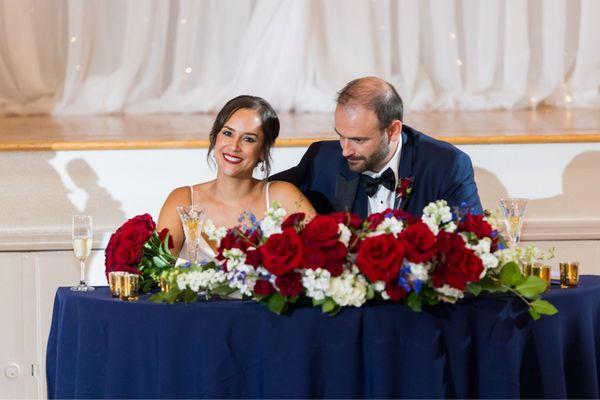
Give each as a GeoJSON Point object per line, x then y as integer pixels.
{"type": "Point", "coordinates": [362, 164]}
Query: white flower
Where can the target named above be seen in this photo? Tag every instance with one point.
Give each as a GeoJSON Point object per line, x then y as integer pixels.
{"type": "Point", "coordinates": [449, 294]}
{"type": "Point", "coordinates": [482, 247]}
{"type": "Point", "coordinates": [418, 271]}
{"type": "Point", "coordinates": [200, 280]}
{"type": "Point", "coordinates": [378, 286]}
{"type": "Point", "coordinates": [390, 225]}
{"type": "Point", "coordinates": [316, 282]}
{"type": "Point", "coordinates": [489, 262]}
{"type": "Point", "coordinates": [345, 234]}
{"type": "Point", "coordinates": [213, 233]}
{"type": "Point", "coordinates": [242, 277]}
{"type": "Point", "coordinates": [436, 214]}
{"type": "Point", "coordinates": [348, 289]}
{"type": "Point", "coordinates": [269, 226]}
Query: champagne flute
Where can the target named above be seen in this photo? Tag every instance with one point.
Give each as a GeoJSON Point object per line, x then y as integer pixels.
{"type": "Point", "coordinates": [82, 246]}
{"type": "Point", "coordinates": [192, 220]}
{"type": "Point", "coordinates": [513, 210]}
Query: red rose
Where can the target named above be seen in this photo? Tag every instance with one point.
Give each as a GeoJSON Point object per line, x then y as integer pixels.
{"type": "Point", "coordinates": [349, 219]}
{"type": "Point", "coordinates": [375, 219]}
{"type": "Point", "coordinates": [263, 288]}
{"type": "Point", "coordinates": [253, 258]}
{"type": "Point", "coordinates": [292, 220]}
{"type": "Point", "coordinates": [282, 252]}
{"type": "Point", "coordinates": [143, 222]}
{"type": "Point", "coordinates": [336, 257]}
{"type": "Point", "coordinates": [322, 230]}
{"type": "Point", "coordinates": [419, 243]}
{"type": "Point", "coordinates": [289, 284]}
{"type": "Point", "coordinates": [380, 257]}
{"type": "Point", "coordinates": [395, 292]}
{"type": "Point", "coordinates": [460, 265]}
{"type": "Point", "coordinates": [234, 239]}
{"type": "Point", "coordinates": [124, 249]}
{"type": "Point", "coordinates": [476, 224]}
{"type": "Point", "coordinates": [128, 255]}
{"type": "Point", "coordinates": [162, 236]}
{"type": "Point", "coordinates": [313, 257]}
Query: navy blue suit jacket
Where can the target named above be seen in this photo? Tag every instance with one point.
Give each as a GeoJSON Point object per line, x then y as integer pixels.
{"type": "Point", "coordinates": [440, 172]}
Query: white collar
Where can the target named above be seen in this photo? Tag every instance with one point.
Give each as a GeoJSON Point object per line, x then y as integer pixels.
{"type": "Point", "coordinates": [394, 163]}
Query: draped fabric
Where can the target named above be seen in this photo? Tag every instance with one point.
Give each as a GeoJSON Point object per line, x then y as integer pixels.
{"type": "Point", "coordinates": [144, 56]}
{"type": "Point", "coordinates": [487, 347]}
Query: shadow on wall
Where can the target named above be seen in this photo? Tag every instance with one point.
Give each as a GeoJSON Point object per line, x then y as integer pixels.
{"type": "Point", "coordinates": [580, 197]}
{"type": "Point", "coordinates": [100, 204]}
{"type": "Point", "coordinates": [490, 188]}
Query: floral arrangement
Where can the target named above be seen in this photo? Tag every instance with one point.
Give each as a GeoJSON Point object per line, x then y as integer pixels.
{"type": "Point", "coordinates": [138, 249]}
{"type": "Point", "coordinates": [340, 260]}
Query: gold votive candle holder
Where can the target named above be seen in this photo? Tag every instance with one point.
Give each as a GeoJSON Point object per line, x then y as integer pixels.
{"type": "Point", "coordinates": [526, 269]}
{"type": "Point", "coordinates": [164, 284]}
{"type": "Point", "coordinates": [542, 272]}
{"type": "Point", "coordinates": [129, 290]}
{"type": "Point", "coordinates": [569, 274]}
{"type": "Point", "coordinates": [114, 282]}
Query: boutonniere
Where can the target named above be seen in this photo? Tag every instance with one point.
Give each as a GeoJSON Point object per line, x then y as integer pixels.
{"type": "Point", "coordinates": [404, 187]}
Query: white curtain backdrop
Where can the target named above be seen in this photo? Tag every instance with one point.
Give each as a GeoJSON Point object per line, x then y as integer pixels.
{"type": "Point", "coordinates": [70, 57]}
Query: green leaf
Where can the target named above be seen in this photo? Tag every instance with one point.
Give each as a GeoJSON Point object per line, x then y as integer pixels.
{"type": "Point", "coordinates": [415, 302]}
{"type": "Point", "coordinates": [511, 274]}
{"type": "Point", "coordinates": [317, 303]}
{"type": "Point", "coordinates": [370, 292]}
{"type": "Point", "coordinates": [223, 290]}
{"type": "Point", "coordinates": [475, 288]}
{"type": "Point", "coordinates": [277, 303]}
{"type": "Point", "coordinates": [534, 314]}
{"type": "Point", "coordinates": [491, 286]}
{"type": "Point", "coordinates": [189, 296]}
{"type": "Point", "coordinates": [543, 307]}
{"type": "Point", "coordinates": [328, 306]}
{"type": "Point", "coordinates": [159, 262]}
{"type": "Point", "coordinates": [531, 287]}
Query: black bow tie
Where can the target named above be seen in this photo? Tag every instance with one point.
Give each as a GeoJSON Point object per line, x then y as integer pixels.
{"type": "Point", "coordinates": [370, 185]}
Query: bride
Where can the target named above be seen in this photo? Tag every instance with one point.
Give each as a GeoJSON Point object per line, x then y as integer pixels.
{"type": "Point", "coordinates": [241, 139]}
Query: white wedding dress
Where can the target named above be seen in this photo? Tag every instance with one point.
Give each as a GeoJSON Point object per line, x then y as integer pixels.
{"type": "Point", "coordinates": [206, 253]}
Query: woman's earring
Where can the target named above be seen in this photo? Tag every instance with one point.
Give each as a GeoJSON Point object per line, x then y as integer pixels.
{"type": "Point", "coordinates": [262, 166]}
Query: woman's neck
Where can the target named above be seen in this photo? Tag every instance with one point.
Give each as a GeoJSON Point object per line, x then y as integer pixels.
{"type": "Point", "coordinates": [231, 190]}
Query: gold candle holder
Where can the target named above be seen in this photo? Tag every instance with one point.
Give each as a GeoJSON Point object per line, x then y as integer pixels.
{"type": "Point", "coordinates": [542, 272]}
{"type": "Point", "coordinates": [569, 274]}
{"type": "Point", "coordinates": [164, 285]}
{"type": "Point", "coordinates": [114, 282]}
{"type": "Point", "coordinates": [526, 269]}
{"type": "Point", "coordinates": [129, 287]}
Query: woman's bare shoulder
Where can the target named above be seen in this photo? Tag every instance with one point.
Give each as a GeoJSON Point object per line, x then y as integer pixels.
{"type": "Point", "coordinates": [290, 196]}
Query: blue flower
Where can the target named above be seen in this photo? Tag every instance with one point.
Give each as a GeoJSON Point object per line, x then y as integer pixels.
{"type": "Point", "coordinates": [417, 285]}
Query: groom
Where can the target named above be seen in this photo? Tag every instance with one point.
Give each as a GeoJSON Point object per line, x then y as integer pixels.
{"type": "Point", "coordinates": [379, 162]}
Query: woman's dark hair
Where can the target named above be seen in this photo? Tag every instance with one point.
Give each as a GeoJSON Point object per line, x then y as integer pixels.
{"type": "Point", "coordinates": [269, 123]}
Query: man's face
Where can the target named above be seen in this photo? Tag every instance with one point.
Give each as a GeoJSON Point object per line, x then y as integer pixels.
{"type": "Point", "coordinates": [364, 145]}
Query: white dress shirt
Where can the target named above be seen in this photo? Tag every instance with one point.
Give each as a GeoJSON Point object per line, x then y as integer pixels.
{"type": "Point", "coordinates": [384, 198]}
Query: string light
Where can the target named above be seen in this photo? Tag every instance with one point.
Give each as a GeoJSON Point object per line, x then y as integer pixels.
{"type": "Point", "coordinates": [568, 98]}
{"type": "Point", "coordinates": [77, 67]}
{"type": "Point", "coordinates": [459, 62]}
{"type": "Point", "coordinates": [188, 70]}
{"type": "Point", "coordinates": [73, 39]}
{"type": "Point", "coordinates": [453, 35]}
{"type": "Point", "coordinates": [183, 21]}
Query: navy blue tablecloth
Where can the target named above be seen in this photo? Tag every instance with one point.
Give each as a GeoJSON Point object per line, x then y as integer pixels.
{"type": "Point", "coordinates": [483, 347]}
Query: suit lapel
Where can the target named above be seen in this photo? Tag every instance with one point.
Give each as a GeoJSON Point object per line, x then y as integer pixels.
{"type": "Point", "coordinates": [407, 160]}
{"type": "Point", "coordinates": [347, 194]}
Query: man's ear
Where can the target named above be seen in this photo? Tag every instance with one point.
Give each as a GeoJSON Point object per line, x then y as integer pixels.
{"type": "Point", "coordinates": [394, 130]}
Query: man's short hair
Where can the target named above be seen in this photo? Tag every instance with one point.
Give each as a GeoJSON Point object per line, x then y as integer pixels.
{"type": "Point", "coordinates": [375, 94]}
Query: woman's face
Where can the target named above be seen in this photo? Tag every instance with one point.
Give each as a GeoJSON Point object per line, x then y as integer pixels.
{"type": "Point", "coordinates": [238, 144]}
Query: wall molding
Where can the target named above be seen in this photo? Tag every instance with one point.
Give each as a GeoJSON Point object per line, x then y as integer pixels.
{"type": "Point", "coordinates": [60, 239]}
